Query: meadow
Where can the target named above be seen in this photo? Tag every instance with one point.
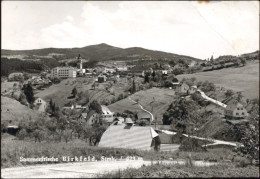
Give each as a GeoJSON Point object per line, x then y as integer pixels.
{"type": "Point", "coordinates": [12, 149]}
{"type": "Point", "coordinates": [244, 79]}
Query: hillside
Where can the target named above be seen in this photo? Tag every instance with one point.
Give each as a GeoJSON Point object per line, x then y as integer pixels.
{"type": "Point", "coordinates": [61, 93]}
{"type": "Point", "coordinates": [155, 100]}
{"type": "Point", "coordinates": [244, 79]}
{"type": "Point", "coordinates": [100, 52]}
{"type": "Point", "coordinates": [13, 111]}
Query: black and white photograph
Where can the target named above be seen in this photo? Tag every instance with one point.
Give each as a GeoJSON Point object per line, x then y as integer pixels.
{"type": "Point", "coordinates": [129, 89]}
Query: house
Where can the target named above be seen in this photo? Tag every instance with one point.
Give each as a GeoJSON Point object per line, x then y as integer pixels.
{"type": "Point", "coordinates": [122, 68]}
{"type": "Point", "coordinates": [192, 89]}
{"type": "Point", "coordinates": [164, 72]}
{"type": "Point", "coordinates": [40, 104]}
{"type": "Point", "coordinates": [144, 116]}
{"type": "Point", "coordinates": [101, 78]}
{"type": "Point", "coordinates": [120, 120]}
{"type": "Point", "coordinates": [82, 117]}
{"type": "Point", "coordinates": [92, 118]}
{"type": "Point", "coordinates": [235, 110]}
{"type": "Point", "coordinates": [106, 115]}
{"type": "Point", "coordinates": [183, 88]}
{"type": "Point", "coordinates": [130, 137]}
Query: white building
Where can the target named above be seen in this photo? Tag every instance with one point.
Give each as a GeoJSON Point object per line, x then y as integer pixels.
{"type": "Point", "coordinates": [107, 115]}
{"type": "Point", "coordinates": [40, 104]}
{"type": "Point", "coordinates": [64, 72]}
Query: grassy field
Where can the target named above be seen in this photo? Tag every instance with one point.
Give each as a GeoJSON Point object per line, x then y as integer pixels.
{"type": "Point", "coordinates": [155, 100]}
{"type": "Point", "coordinates": [183, 171]}
{"type": "Point", "coordinates": [61, 93]}
{"type": "Point", "coordinates": [244, 79]}
{"type": "Point", "coordinates": [13, 149]}
{"type": "Point", "coordinates": [13, 111]}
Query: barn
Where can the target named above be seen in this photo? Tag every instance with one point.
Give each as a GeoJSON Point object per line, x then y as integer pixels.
{"type": "Point", "coordinates": [130, 137]}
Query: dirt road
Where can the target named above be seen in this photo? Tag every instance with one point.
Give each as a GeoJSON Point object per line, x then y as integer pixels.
{"type": "Point", "coordinates": [70, 170]}
{"type": "Point", "coordinates": [83, 169]}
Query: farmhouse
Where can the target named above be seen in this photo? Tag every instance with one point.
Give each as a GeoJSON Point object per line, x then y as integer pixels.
{"type": "Point", "coordinates": [40, 104]}
{"type": "Point", "coordinates": [91, 118]}
{"type": "Point", "coordinates": [183, 88]}
{"type": "Point", "coordinates": [107, 115]}
{"type": "Point", "coordinates": [235, 110]}
{"type": "Point", "coordinates": [101, 78]}
{"type": "Point", "coordinates": [130, 137]}
{"type": "Point", "coordinates": [119, 120]}
{"type": "Point", "coordinates": [193, 89]}
{"type": "Point", "coordinates": [144, 116]}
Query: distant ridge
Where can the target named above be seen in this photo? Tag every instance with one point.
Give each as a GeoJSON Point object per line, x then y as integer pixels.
{"type": "Point", "coordinates": [101, 52]}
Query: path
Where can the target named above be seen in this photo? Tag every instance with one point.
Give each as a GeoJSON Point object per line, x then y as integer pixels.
{"type": "Point", "coordinates": [70, 170]}
{"type": "Point", "coordinates": [142, 108]}
{"type": "Point", "coordinates": [215, 142]}
{"type": "Point", "coordinates": [83, 169]}
{"type": "Point", "coordinates": [211, 99]}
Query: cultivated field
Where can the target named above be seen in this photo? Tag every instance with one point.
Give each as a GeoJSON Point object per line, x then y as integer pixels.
{"type": "Point", "coordinates": [155, 100]}
{"type": "Point", "coordinates": [244, 79]}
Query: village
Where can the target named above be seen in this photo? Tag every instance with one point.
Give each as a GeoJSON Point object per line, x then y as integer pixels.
{"type": "Point", "coordinates": [122, 89]}
{"type": "Point", "coordinates": [105, 75]}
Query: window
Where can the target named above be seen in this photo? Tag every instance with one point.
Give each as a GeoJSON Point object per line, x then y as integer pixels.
{"type": "Point", "coordinates": [237, 113]}
{"type": "Point", "coordinates": [243, 113]}
{"type": "Point", "coordinates": [237, 108]}
{"type": "Point", "coordinates": [241, 108]}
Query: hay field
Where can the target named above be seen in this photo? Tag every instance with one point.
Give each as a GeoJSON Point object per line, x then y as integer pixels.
{"type": "Point", "coordinates": [244, 79]}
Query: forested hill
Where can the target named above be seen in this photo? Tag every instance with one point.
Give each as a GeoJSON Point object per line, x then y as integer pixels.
{"type": "Point", "coordinates": [101, 52]}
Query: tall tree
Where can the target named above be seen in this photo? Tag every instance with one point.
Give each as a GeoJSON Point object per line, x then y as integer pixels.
{"type": "Point", "coordinates": [250, 137]}
{"type": "Point", "coordinates": [28, 91]}
{"type": "Point", "coordinates": [74, 92]}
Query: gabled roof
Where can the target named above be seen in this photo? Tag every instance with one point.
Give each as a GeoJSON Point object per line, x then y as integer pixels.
{"type": "Point", "coordinates": [128, 121]}
{"type": "Point", "coordinates": [90, 114]}
{"type": "Point", "coordinates": [121, 136]}
{"type": "Point", "coordinates": [84, 115]}
{"type": "Point", "coordinates": [143, 115]}
{"type": "Point", "coordinates": [105, 110]}
{"type": "Point", "coordinates": [233, 104]}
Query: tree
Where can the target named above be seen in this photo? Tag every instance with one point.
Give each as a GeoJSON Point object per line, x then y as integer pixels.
{"type": "Point", "coordinates": [229, 93]}
{"type": "Point", "coordinates": [133, 87]}
{"type": "Point", "coordinates": [239, 96]}
{"type": "Point", "coordinates": [22, 99]}
{"type": "Point", "coordinates": [94, 105]}
{"type": "Point", "coordinates": [95, 134]}
{"type": "Point", "coordinates": [243, 61]}
{"type": "Point", "coordinates": [74, 92]}
{"type": "Point", "coordinates": [94, 85]}
{"type": "Point", "coordinates": [146, 78]}
{"type": "Point", "coordinates": [28, 91]}
{"type": "Point", "coordinates": [153, 75]}
{"type": "Point", "coordinates": [250, 138]}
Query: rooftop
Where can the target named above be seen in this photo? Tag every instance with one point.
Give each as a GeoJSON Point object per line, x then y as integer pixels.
{"type": "Point", "coordinates": [105, 110]}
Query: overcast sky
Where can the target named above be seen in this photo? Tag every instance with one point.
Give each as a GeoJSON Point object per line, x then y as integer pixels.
{"type": "Point", "coordinates": [187, 28]}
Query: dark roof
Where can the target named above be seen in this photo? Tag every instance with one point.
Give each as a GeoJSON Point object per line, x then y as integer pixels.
{"type": "Point", "coordinates": [90, 113]}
